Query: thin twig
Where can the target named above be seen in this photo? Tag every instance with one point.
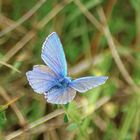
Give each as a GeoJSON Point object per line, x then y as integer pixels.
{"type": "Point", "coordinates": [52, 14]}
{"type": "Point", "coordinates": [13, 106]}
{"type": "Point", "coordinates": [18, 46]}
{"type": "Point", "coordinates": [23, 18]}
{"type": "Point", "coordinates": [50, 126]}
{"type": "Point", "coordinates": [108, 11]}
{"type": "Point", "coordinates": [100, 123]}
{"type": "Point", "coordinates": [92, 19]}
{"type": "Point", "coordinates": [114, 52]}
{"type": "Point", "coordinates": [35, 124]}
{"type": "Point", "coordinates": [9, 66]}
{"type": "Point", "coordinates": [5, 21]}
{"type": "Point", "coordinates": [83, 65]}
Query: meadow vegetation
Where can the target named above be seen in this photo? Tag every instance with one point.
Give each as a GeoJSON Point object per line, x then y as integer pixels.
{"type": "Point", "coordinates": [99, 37]}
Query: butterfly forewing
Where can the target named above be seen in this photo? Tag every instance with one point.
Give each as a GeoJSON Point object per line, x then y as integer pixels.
{"type": "Point", "coordinates": [86, 83]}
{"type": "Point", "coordinates": [53, 55]}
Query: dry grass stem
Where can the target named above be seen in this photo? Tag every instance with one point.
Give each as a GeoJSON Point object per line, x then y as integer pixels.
{"type": "Point", "coordinates": [23, 18]}
{"type": "Point", "coordinates": [4, 22]}
{"type": "Point", "coordinates": [114, 52]}
{"type": "Point", "coordinates": [104, 28]}
{"type": "Point", "coordinates": [48, 117]}
{"type": "Point", "coordinates": [9, 66]}
{"type": "Point", "coordinates": [19, 115]}
{"type": "Point", "coordinates": [31, 34]}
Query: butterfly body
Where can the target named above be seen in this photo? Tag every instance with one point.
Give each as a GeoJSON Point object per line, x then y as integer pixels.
{"type": "Point", "coordinates": [52, 80]}
{"type": "Point", "coordinates": [64, 82]}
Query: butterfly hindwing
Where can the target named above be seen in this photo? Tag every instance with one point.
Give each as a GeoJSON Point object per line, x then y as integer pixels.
{"type": "Point", "coordinates": [60, 95]}
{"type": "Point", "coordinates": [86, 83]}
{"type": "Point", "coordinates": [53, 55]}
{"type": "Point", "coordinates": [41, 78]}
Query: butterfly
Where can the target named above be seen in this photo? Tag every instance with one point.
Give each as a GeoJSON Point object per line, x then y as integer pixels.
{"type": "Point", "coordinates": [52, 79]}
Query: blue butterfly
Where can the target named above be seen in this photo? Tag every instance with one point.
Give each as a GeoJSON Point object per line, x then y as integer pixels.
{"type": "Point", "coordinates": [52, 80]}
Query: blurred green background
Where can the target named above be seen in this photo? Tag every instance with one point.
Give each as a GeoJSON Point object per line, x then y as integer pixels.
{"type": "Point", "coordinates": [100, 37]}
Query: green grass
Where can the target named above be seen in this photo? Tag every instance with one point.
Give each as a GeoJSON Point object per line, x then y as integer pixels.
{"type": "Point", "coordinates": [108, 112]}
